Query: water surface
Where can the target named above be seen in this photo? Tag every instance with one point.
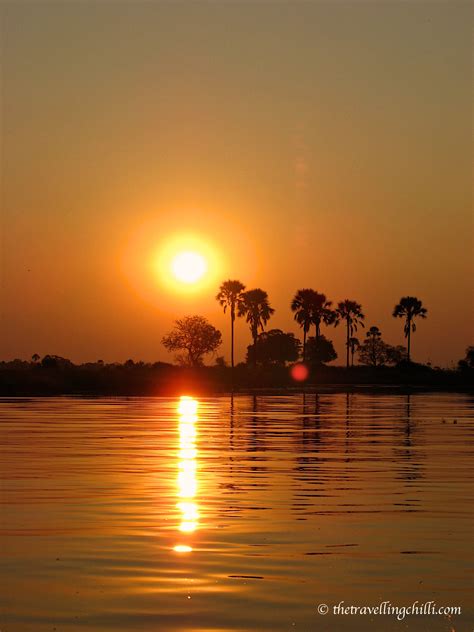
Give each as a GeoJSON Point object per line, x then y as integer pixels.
{"type": "Point", "coordinates": [244, 515]}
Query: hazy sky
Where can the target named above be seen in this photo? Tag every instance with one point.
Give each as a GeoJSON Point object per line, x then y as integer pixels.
{"type": "Point", "coordinates": [307, 144]}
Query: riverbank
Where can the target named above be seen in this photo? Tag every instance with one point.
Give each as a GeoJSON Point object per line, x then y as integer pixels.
{"type": "Point", "coordinates": [140, 379]}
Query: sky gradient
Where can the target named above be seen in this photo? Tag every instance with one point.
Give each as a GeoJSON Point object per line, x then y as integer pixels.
{"type": "Point", "coordinates": [324, 145]}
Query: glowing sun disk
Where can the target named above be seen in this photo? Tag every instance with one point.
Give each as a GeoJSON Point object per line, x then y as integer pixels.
{"type": "Point", "coordinates": [188, 267]}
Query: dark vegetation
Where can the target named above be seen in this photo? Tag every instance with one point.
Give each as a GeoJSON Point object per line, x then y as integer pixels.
{"type": "Point", "coordinates": [370, 362]}
{"type": "Point", "coordinates": [57, 376]}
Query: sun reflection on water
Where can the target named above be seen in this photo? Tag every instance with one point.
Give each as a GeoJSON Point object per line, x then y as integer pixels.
{"type": "Point", "coordinates": [187, 466]}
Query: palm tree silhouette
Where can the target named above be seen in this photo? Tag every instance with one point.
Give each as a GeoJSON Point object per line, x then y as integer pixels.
{"type": "Point", "coordinates": [312, 308]}
{"type": "Point", "coordinates": [255, 306]}
{"type": "Point", "coordinates": [351, 312]}
{"type": "Point", "coordinates": [409, 308]}
{"type": "Point", "coordinates": [303, 306]}
{"type": "Point", "coordinates": [353, 344]}
{"type": "Point", "coordinates": [230, 296]}
{"type": "Point", "coordinates": [322, 313]}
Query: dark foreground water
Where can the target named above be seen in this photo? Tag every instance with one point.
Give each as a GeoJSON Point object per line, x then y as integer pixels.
{"type": "Point", "coordinates": [212, 515]}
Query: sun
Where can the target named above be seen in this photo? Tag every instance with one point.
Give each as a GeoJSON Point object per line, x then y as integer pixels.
{"type": "Point", "coordinates": [188, 267]}
{"type": "Point", "coordinates": [186, 264]}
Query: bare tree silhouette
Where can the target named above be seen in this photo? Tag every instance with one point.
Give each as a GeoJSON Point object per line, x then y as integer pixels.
{"type": "Point", "coordinates": [195, 336]}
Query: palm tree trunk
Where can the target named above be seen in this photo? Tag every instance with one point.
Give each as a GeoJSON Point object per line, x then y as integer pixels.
{"type": "Point", "coordinates": [255, 351]}
{"type": "Point", "coordinates": [409, 340]}
{"type": "Point", "coordinates": [304, 344]}
{"type": "Point", "coordinates": [347, 345]}
{"type": "Point", "coordinates": [232, 319]}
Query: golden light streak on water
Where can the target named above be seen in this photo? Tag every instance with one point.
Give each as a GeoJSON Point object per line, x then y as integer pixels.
{"type": "Point", "coordinates": [187, 485]}
{"type": "Point", "coordinates": [182, 548]}
{"type": "Point", "coordinates": [187, 407]}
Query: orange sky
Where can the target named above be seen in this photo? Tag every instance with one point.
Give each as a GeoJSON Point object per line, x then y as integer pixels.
{"type": "Point", "coordinates": [323, 145]}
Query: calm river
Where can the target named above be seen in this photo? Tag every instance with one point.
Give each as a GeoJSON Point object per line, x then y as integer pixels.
{"type": "Point", "coordinates": [212, 515]}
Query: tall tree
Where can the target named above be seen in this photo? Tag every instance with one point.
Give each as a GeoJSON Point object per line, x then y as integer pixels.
{"type": "Point", "coordinates": [353, 344]}
{"type": "Point", "coordinates": [350, 312]}
{"type": "Point", "coordinates": [230, 296]}
{"type": "Point", "coordinates": [312, 308]}
{"type": "Point", "coordinates": [303, 306]}
{"type": "Point", "coordinates": [409, 308]}
{"type": "Point", "coordinates": [195, 336]}
{"type": "Point", "coordinates": [256, 308]}
{"type": "Point", "coordinates": [322, 313]}
{"type": "Point", "coordinates": [374, 337]}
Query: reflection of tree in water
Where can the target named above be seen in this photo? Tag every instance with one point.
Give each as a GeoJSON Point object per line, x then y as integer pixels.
{"type": "Point", "coordinates": [231, 487]}
{"type": "Point", "coordinates": [256, 441]}
{"type": "Point", "coordinates": [232, 456]}
{"type": "Point", "coordinates": [246, 437]}
{"type": "Point", "coordinates": [349, 432]}
{"type": "Point", "coordinates": [317, 420]}
{"type": "Point", "coordinates": [406, 449]}
{"type": "Point", "coordinates": [310, 437]}
{"type": "Point", "coordinates": [255, 431]}
{"type": "Point", "coordinates": [310, 448]}
{"type": "Point", "coordinates": [231, 428]}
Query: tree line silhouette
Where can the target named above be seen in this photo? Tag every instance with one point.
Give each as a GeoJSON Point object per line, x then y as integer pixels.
{"type": "Point", "coordinates": [195, 337]}
{"type": "Point", "coordinates": [272, 359]}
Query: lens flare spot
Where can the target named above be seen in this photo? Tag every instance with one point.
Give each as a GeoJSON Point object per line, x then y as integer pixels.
{"type": "Point", "coordinates": [299, 372]}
